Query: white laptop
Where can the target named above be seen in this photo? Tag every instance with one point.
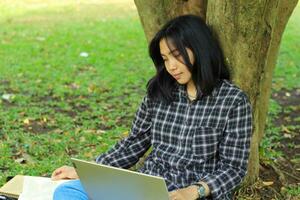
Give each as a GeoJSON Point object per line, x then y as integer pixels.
{"type": "Point", "coordinates": [102, 182]}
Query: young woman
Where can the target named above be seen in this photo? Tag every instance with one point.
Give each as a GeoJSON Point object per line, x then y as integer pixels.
{"type": "Point", "coordinates": [197, 122]}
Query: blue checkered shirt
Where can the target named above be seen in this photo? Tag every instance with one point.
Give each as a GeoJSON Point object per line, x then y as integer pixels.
{"type": "Point", "coordinates": [206, 140]}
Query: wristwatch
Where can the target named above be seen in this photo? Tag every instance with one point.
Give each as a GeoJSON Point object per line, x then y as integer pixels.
{"type": "Point", "coordinates": [201, 190]}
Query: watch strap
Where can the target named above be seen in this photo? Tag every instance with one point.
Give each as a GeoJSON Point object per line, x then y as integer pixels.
{"type": "Point", "coordinates": [201, 190]}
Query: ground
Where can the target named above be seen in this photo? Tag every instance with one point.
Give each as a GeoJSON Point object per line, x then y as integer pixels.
{"type": "Point", "coordinates": [73, 73]}
{"type": "Point", "coordinates": [284, 172]}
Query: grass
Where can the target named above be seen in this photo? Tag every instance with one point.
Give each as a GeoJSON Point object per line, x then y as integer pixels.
{"type": "Point", "coordinates": [286, 77]}
{"type": "Point", "coordinates": [62, 104]}
{"type": "Point", "coordinates": [287, 71]}
{"type": "Point", "coordinates": [56, 103]}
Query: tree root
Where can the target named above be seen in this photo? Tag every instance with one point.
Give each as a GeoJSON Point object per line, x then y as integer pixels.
{"type": "Point", "coordinates": [287, 173]}
{"type": "Point", "coordinates": [279, 172]}
{"type": "Point", "coordinates": [291, 175]}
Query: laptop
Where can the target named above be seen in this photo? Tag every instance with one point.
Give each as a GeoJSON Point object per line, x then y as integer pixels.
{"type": "Point", "coordinates": [102, 182]}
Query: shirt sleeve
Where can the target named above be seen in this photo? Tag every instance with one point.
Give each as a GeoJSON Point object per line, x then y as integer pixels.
{"type": "Point", "coordinates": [128, 150]}
{"type": "Point", "coordinates": [233, 151]}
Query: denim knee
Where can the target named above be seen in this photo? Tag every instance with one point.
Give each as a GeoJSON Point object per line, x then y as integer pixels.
{"type": "Point", "coordinates": [70, 190]}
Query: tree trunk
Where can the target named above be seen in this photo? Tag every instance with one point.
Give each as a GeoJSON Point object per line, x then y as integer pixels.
{"type": "Point", "coordinates": [155, 13]}
{"type": "Point", "coordinates": [249, 33]}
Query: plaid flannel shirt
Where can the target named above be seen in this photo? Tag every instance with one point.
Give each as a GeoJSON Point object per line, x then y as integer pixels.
{"type": "Point", "coordinates": [207, 140]}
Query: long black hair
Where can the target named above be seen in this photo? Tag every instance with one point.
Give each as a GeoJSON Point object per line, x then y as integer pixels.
{"type": "Point", "coordinates": [187, 31]}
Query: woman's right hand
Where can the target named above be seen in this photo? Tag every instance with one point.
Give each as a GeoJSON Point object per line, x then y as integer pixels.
{"type": "Point", "coordinates": [64, 172]}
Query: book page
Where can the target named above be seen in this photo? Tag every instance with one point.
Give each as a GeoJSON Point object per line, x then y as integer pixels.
{"type": "Point", "coordinates": [39, 188]}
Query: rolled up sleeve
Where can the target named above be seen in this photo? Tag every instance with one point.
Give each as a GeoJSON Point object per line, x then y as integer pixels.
{"type": "Point", "coordinates": [233, 151]}
{"type": "Point", "coordinates": [128, 151]}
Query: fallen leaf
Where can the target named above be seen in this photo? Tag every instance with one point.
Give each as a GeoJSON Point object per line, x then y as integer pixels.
{"type": "Point", "coordinates": [77, 130]}
{"type": "Point", "coordinates": [288, 119]}
{"type": "Point", "coordinates": [8, 97]}
{"type": "Point", "coordinates": [125, 134]}
{"type": "Point", "coordinates": [83, 54]}
{"type": "Point", "coordinates": [20, 160]}
{"type": "Point", "coordinates": [26, 121]}
{"type": "Point", "coordinates": [66, 133]}
{"type": "Point", "coordinates": [90, 131]}
{"type": "Point", "coordinates": [40, 38]}
{"type": "Point", "coordinates": [92, 88]}
{"type": "Point", "coordinates": [22, 113]}
{"type": "Point", "coordinates": [88, 155]}
{"type": "Point", "coordinates": [82, 139]}
{"type": "Point", "coordinates": [267, 183]}
{"type": "Point", "coordinates": [100, 131]}
{"type": "Point", "coordinates": [27, 158]}
{"type": "Point", "coordinates": [285, 129]}
{"type": "Point", "coordinates": [74, 86]}
{"type": "Point", "coordinates": [283, 189]}
{"type": "Point", "coordinates": [295, 160]}
{"type": "Point", "coordinates": [58, 131]}
{"type": "Point", "coordinates": [99, 138]}
{"type": "Point", "coordinates": [287, 136]}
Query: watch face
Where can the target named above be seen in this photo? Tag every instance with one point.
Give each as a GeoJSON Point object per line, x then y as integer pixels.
{"type": "Point", "coordinates": [201, 191]}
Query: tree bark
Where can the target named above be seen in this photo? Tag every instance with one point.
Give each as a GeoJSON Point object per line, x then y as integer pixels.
{"type": "Point", "coordinates": [155, 13]}
{"type": "Point", "coordinates": [249, 33]}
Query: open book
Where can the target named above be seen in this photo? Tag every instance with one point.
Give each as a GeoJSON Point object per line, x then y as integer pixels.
{"type": "Point", "coordinates": [21, 187]}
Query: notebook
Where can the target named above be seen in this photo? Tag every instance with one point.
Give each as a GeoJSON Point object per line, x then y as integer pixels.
{"type": "Point", "coordinates": [13, 188]}
{"type": "Point", "coordinates": [20, 187]}
{"type": "Point", "coordinates": [111, 183]}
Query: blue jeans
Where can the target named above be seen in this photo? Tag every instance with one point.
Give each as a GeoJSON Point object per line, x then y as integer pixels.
{"type": "Point", "coordinates": [72, 190]}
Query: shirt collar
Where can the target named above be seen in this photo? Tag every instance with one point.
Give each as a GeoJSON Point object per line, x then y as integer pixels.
{"type": "Point", "coordinates": [183, 92]}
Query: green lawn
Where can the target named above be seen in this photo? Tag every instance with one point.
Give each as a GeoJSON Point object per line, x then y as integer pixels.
{"type": "Point", "coordinates": [59, 103]}
{"type": "Point", "coordinates": [287, 72]}
{"type": "Point", "coordinates": [72, 76]}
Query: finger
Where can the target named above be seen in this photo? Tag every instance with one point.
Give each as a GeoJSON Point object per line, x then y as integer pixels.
{"type": "Point", "coordinates": [171, 195]}
{"type": "Point", "coordinates": [55, 173]}
{"type": "Point", "coordinates": [58, 171]}
{"type": "Point", "coordinates": [59, 177]}
{"type": "Point", "coordinates": [55, 177]}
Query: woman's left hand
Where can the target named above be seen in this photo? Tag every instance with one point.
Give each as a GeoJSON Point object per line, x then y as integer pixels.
{"type": "Point", "coordinates": [188, 193]}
